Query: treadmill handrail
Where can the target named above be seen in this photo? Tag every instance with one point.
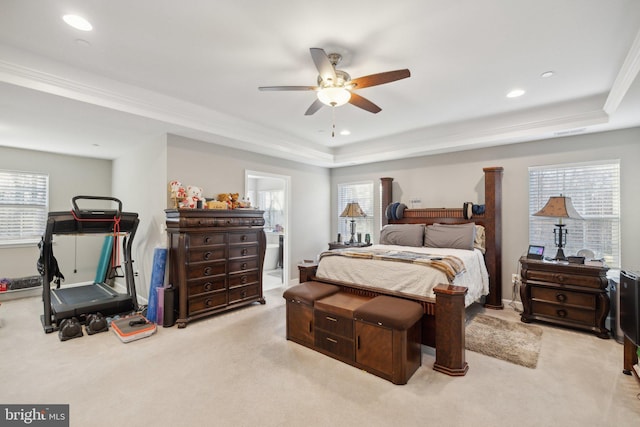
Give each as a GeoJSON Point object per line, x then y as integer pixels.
{"type": "Point", "coordinates": [111, 199]}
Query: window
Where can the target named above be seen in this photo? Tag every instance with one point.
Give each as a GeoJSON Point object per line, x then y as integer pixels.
{"type": "Point", "coordinates": [361, 192]}
{"type": "Point", "coordinates": [594, 189]}
{"type": "Point", "coordinates": [272, 202]}
{"type": "Point", "coordinates": [23, 206]}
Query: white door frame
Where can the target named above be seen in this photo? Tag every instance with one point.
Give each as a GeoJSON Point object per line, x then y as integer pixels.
{"type": "Point", "coordinates": [287, 214]}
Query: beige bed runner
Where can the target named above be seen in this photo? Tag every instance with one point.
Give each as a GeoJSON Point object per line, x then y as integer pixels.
{"type": "Point", "coordinates": [450, 265]}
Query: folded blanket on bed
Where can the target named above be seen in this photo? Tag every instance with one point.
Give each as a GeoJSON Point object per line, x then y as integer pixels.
{"type": "Point", "coordinates": [450, 265]}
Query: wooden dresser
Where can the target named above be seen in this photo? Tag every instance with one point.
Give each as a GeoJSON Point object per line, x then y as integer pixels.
{"type": "Point", "coordinates": [215, 260]}
{"type": "Point", "coordinates": [572, 295]}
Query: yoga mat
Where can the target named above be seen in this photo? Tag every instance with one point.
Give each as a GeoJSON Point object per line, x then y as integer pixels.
{"type": "Point", "coordinates": [157, 280]}
{"type": "Point", "coordinates": [105, 259]}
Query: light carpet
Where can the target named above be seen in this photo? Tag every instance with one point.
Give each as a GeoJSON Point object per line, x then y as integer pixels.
{"type": "Point", "coordinates": [510, 341]}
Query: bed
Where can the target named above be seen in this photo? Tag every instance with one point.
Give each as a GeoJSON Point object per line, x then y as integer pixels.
{"type": "Point", "coordinates": [444, 304]}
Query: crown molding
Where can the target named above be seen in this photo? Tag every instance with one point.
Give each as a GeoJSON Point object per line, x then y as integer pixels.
{"type": "Point", "coordinates": [627, 74]}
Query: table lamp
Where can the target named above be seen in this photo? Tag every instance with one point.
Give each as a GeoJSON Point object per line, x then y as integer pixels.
{"type": "Point", "coordinates": [559, 207]}
{"type": "Point", "coordinates": [352, 210]}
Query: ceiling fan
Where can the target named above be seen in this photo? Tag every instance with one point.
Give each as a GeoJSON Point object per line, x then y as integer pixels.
{"type": "Point", "coordinates": [336, 88]}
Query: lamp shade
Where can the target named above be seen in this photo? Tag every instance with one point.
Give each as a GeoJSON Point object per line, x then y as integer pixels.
{"type": "Point", "coordinates": [352, 210]}
{"type": "Point", "coordinates": [559, 207]}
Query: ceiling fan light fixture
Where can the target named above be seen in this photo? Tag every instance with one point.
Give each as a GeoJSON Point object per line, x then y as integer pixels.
{"type": "Point", "coordinates": [334, 96]}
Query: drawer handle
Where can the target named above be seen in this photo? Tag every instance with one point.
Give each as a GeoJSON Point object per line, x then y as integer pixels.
{"type": "Point", "coordinates": [207, 271]}
{"type": "Point", "coordinates": [243, 266]}
{"type": "Point", "coordinates": [333, 319]}
{"type": "Point", "coordinates": [562, 313]}
{"type": "Point", "coordinates": [207, 255]}
{"type": "Point", "coordinates": [207, 239]}
{"type": "Point", "coordinates": [243, 238]}
{"type": "Point", "coordinates": [208, 302]}
{"type": "Point", "coordinates": [208, 286]}
{"type": "Point", "coordinates": [560, 277]}
{"type": "Point", "coordinates": [332, 340]}
{"type": "Point", "coordinates": [243, 294]}
{"type": "Point", "coordinates": [243, 279]}
{"type": "Point", "coordinates": [561, 297]}
{"type": "Point", "coordinates": [244, 251]}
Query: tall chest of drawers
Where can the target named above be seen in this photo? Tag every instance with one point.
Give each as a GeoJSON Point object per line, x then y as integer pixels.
{"type": "Point", "coordinates": [215, 260]}
{"type": "Point", "coordinates": [572, 295]}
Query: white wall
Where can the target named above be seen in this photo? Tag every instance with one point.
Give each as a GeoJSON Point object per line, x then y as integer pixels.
{"type": "Point", "coordinates": [69, 176]}
{"type": "Point", "coordinates": [140, 182]}
{"type": "Point", "coordinates": [449, 180]}
{"type": "Point", "coordinates": [219, 169]}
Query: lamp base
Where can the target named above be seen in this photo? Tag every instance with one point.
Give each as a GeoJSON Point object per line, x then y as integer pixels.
{"type": "Point", "coordinates": [560, 255]}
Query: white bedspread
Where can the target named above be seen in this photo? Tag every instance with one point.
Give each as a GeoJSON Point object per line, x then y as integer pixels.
{"type": "Point", "coordinates": [406, 277]}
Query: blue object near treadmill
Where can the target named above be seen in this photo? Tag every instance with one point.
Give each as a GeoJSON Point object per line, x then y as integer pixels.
{"type": "Point", "coordinates": [105, 259]}
{"type": "Point", "coordinates": [157, 280]}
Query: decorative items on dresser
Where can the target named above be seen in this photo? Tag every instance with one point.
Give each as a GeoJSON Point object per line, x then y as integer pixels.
{"type": "Point", "coordinates": [215, 260]}
{"type": "Point", "coordinates": [565, 294]}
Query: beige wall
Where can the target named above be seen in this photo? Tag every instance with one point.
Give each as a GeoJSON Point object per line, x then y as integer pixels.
{"type": "Point", "coordinates": [448, 180]}
{"type": "Point", "coordinates": [69, 176]}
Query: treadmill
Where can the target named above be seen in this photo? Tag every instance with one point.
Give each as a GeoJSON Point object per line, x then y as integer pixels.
{"type": "Point", "coordinates": [80, 300]}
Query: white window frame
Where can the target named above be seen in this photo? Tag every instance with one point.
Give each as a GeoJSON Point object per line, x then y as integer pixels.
{"type": "Point", "coordinates": [594, 188]}
{"type": "Point", "coordinates": [363, 193]}
{"type": "Point", "coordinates": [24, 207]}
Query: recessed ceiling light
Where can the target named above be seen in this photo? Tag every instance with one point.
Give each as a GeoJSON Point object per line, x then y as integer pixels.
{"type": "Point", "coordinates": [78, 22]}
{"type": "Point", "coordinates": [546, 74]}
{"type": "Point", "coordinates": [515, 93]}
{"type": "Point", "coordinates": [345, 132]}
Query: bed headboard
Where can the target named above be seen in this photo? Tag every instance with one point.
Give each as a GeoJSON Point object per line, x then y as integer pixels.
{"type": "Point", "coordinates": [491, 219]}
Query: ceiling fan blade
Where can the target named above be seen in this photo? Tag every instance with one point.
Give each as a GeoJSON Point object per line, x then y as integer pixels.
{"type": "Point", "coordinates": [364, 103]}
{"type": "Point", "coordinates": [324, 66]}
{"type": "Point", "coordinates": [380, 78]}
{"type": "Point", "coordinates": [287, 88]}
{"type": "Point", "coordinates": [317, 104]}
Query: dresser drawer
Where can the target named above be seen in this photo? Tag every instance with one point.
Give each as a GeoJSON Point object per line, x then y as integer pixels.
{"type": "Point", "coordinates": [243, 251]}
{"type": "Point", "coordinates": [244, 237]}
{"type": "Point", "coordinates": [207, 239]}
{"type": "Point", "coordinates": [207, 302]}
{"type": "Point", "coordinates": [243, 265]}
{"type": "Point", "coordinates": [335, 344]}
{"type": "Point", "coordinates": [209, 284]}
{"type": "Point", "coordinates": [334, 324]}
{"type": "Point", "coordinates": [206, 254]}
{"type": "Point", "coordinates": [564, 279]}
{"type": "Point", "coordinates": [243, 293]}
{"type": "Point", "coordinates": [564, 312]}
{"type": "Point", "coordinates": [198, 270]}
{"type": "Point", "coordinates": [242, 279]}
{"type": "Point", "coordinates": [562, 296]}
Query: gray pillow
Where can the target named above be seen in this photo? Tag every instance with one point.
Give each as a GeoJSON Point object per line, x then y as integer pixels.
{"type": "Point", "coordinates": [402, 235]}
{"type": "Point", "coordinates": [455, 236]}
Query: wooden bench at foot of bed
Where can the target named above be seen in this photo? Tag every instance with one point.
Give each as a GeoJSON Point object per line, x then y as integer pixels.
{"type": "Point", "coordinates": [448, 339]}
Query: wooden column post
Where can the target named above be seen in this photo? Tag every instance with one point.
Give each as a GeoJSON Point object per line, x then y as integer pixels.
{"type": "Point", "coordinates": [450, 339]}
{"type": "Point", "coordinates": [386, 185]}
{"type": "Point", "coordinates": [493, 203]}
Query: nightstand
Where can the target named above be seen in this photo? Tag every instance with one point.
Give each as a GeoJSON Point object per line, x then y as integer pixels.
{"type": "Point", "coordinates": [570, 295]}
{"type": "Point", "coordinates": [345, 245]}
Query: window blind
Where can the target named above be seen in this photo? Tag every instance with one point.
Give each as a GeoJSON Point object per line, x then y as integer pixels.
{"type": "Point", "coordinates": [361, 192]}
{"type": "Point", "coordinates": [23, 206]}
{"type": "Point", "coordinates": [594, 189]}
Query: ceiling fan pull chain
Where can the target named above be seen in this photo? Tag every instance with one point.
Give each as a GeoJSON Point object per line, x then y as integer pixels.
{"type": "Point", "coordinates": [333, 119]}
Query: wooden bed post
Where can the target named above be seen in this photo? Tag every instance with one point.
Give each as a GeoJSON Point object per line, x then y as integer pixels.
{"type": "Point", "coordinates": [386, 198]}
{"type": "Point", "coordinates": [493, 232]}
{"type": "Point", "coordinates": [450, 338]}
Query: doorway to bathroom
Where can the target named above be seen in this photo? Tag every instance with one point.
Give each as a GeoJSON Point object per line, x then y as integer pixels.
{"type": "Point", "coordinates": [271, 193]}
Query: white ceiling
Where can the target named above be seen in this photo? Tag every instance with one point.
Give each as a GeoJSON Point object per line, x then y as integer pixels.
{"type": "Point", "coordinates": [192, 68]}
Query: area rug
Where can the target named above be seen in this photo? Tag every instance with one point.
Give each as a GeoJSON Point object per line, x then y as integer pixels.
{"type": "Point", "coordinates": [513, 342]}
